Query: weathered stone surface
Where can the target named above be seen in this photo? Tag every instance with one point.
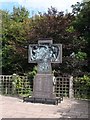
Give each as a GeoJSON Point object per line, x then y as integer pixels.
{"type": "Point", "coordinates": [44, 53]}
{"type": "Point", "coordinates": [43, 86]}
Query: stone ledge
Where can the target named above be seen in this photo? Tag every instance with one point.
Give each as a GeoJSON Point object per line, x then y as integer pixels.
{"type": "Point", "coordinates": [54, 101]}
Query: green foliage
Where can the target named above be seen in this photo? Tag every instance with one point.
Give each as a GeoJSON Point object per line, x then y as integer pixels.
{"type": "Point", "coordinates": [31, 76]}
{"type": "Point", "coordinates": [81, 55]}
{"type": "Point", "coordinates": [60, 28]}
{"type": "Point", "coordinates": [53, 25]}
{"type": "Point", "coordinates": [19, 14]}
{"type": "Point", "coordinates": [71, 29]}
{"type": "Point", "coordinates": [33, 72]}
{"type": "Point", "coordinates": [82, 25]}
{"type": "Point", "coordinates": [21, 86]}
{"type": "Point", "coordinates": [14, 38]}
{"type": "Point", "coordinates": [82, 87]}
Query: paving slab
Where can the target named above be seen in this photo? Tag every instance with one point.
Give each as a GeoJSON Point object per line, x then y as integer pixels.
{"type": "Point", "coordinates": [12, 107]}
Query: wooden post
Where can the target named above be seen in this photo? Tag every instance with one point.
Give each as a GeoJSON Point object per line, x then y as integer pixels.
{"type": "Point", "coordinates": [71, 87]}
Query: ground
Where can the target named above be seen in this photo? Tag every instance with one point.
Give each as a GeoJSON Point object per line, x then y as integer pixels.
{"type": "Point", "coordinates": [12, 107]}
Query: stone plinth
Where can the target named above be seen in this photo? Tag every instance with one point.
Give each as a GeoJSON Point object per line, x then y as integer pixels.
{"type": "Point", "coordinates": [43, 86]}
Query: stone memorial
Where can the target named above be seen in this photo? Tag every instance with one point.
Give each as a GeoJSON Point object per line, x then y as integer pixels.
{"type": "Point", "coordinates": [44, 53]}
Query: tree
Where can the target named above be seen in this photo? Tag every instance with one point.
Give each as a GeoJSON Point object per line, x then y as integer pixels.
{"type": "Point", "coordinates": [59, 27]}
{"type": "Point", "coordinates": [14, 38]}
{"type": "Point", "coordinates": [19, 14]}
{"type": "Point", "coordinates": [19, 30]}
{"type": "Point", "coordinates": [82, 25]}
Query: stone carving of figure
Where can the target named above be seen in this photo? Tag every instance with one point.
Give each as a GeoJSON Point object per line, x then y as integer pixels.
{"type": "Point", "coordinates": [45, 53]}
{"type": "Point", "coordinates": [41, 53]}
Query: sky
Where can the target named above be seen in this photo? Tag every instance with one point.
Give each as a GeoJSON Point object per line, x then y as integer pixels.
{"type": "Point", "coordinates": [33, 6]}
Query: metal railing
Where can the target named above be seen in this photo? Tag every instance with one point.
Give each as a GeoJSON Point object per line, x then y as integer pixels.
{"type": "Point", "coordinates": [14, 85]}
{"type": "Point", "coordinates": [20, 85]}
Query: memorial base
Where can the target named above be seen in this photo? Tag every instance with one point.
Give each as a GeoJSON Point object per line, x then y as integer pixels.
{"type": "Point", "coordinates": [54, 101]}
{"type": "Point", "coordinates": [43, 86]}
{"type": "Point", "coordinates": [43, 90]}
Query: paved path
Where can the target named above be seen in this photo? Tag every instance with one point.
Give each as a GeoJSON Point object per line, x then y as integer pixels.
{"type": "Point", "coordinates": [69, 108]}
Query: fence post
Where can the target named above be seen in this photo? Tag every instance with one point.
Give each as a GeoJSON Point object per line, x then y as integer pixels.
{"type": "Point", "coordinates": [71, 95]}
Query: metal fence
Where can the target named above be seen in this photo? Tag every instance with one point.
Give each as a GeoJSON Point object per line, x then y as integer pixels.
{"type": "Point", "coordinates": [20, 85]}
{"type": "Point", "coordinates": [65, 85]}
{"type": "Point", "coordinates": [14, 85]}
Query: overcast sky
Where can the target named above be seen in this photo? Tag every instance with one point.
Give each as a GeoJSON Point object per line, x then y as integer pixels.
{"type": "Point", "coordinates": [38, 5]}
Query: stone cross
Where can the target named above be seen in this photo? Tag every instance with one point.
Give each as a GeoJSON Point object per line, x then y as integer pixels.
{"type": "Point", "coordinates": [44, 53]}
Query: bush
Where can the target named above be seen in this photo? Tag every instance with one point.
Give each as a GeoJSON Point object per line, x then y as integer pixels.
{"type": "Point", "coordinates": [31, 76]}
{"type": "Point", "coordinates": [82, 87]}
{"type": "Point", "coordinates": [21, 85]}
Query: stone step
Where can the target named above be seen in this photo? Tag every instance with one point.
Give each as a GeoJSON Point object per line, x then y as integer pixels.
{"type": "Point", "coordinates": [54, 101]}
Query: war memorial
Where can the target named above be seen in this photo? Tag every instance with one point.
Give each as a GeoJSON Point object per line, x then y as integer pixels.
{"type": "Point", "coordinates": [44, 53]}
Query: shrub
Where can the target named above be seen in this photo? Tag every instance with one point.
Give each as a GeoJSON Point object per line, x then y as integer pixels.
{"type": "Point", "coordinates": [21, 85]}
{"type": "Point", "coordinates": [82, 87]}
